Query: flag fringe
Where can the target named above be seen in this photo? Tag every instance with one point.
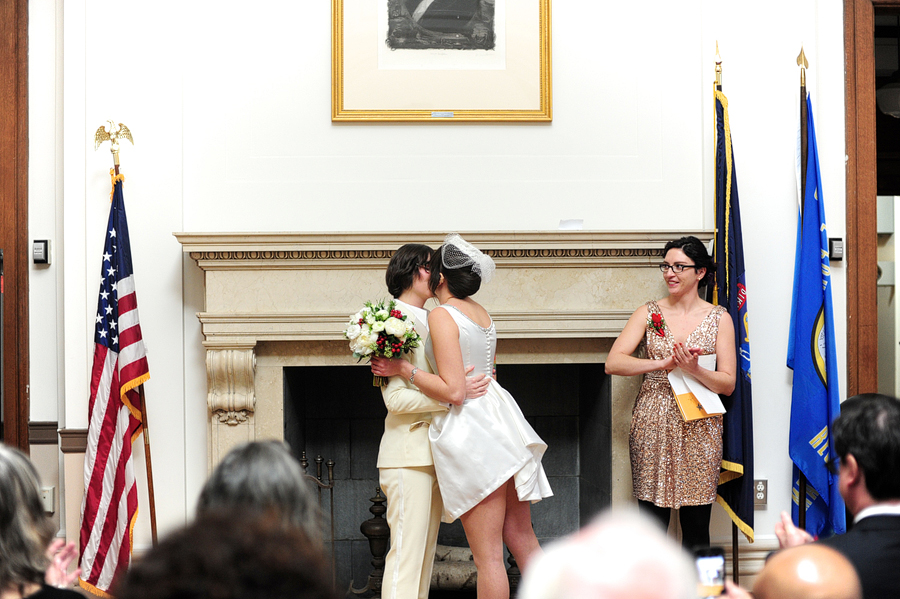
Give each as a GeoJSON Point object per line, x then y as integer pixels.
{"type": "Point", "coordinates": [730, 471]}
{"type": "Point", "coordinates": [742, 526]}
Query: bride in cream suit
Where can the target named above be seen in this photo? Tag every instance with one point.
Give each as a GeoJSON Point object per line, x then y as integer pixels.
{"type": "Point", "coordinates": [405, 464]}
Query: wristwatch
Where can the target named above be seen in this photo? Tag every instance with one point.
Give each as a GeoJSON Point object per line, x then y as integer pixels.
{"type": "Point", "coordinates": [413, 375]}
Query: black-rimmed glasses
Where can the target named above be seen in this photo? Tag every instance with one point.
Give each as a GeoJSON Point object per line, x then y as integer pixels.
{"type": "Point", "coordinates": [676, 268]}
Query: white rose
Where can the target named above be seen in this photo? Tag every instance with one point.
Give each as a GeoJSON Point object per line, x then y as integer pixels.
{"type": "Point", "coordinates": [377, 326]}
{"type": "Point", "coordinates": [353, 331]}
{"type": "Point", "coordinates": [368, 316]}
{"type": "Point", "coordinates": [382, 314]}
{"type": "Point", "coordinates": [409, 326]}
{"type": "Point", "coordinates": [395, 327]}
{"type": "Point", "coordinates": [363, 342]}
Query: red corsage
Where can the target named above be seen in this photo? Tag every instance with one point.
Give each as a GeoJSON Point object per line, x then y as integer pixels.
{"type": "Point", "coordinates": [657, 323]}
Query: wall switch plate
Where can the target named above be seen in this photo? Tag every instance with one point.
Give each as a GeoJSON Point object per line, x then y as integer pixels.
{"type": "Point", "coordinates": [835, 249]}
{"type": "Point", "coordinates": [48, 499]}
{"type": "Point", "coordinates": [760, 492]}
{"type": "Point", "coordinates": [40, 251]}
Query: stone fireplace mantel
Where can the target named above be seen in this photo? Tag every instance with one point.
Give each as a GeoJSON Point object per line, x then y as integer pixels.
{"type": "Point", "coordinates": [282, 299]}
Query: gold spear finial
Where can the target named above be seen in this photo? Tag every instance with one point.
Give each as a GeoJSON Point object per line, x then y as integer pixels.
{"type": "Point", "coordinates": [803, 64]}
{"type": "Point", "coordinates": [718, 68]}
{"type": "Point", "coordinates": [114, 134]}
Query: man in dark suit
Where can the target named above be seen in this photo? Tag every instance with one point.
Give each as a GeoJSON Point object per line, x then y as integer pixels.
{"type": "Point", "coordinates": [866, 439]}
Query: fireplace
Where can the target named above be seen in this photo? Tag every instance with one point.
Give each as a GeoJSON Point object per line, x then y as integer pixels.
{"type": "Point", "coordinates": [335, 411]}
{"type": "Point", "coordinates": [275, 305]}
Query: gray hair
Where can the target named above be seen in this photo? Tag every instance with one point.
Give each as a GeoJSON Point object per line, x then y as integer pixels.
{"type": "Point", "coordinates": [620, 555]}
{"type": "Point", "coordinates": [263, 476]}
{"type": "Point", "coordinates": [25, 530]}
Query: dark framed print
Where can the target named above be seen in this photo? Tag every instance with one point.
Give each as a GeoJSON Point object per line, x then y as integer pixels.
{"type": "Point", "coordinates": [441, 60]}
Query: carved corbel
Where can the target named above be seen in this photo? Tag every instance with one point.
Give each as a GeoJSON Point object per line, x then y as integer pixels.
{"type": "Point", "coordinates": [231, 384]}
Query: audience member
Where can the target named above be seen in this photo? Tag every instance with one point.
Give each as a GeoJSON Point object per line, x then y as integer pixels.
{"type": "Point", "coordinates": [805, 572]}
{"type": "Point", "coordinates": [866, 439]}
{"type": "Point", "coordinates": [231, 555]}
{"type": "Point", "coordinates": [620, 555]}
{"type": "Point", "coordinates": [26, 533]}
{"type": "Point", "coordinates": [262, 477]}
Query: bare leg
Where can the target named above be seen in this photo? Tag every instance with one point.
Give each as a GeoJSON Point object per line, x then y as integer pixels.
{"type": "Point", "coordinates": [484, 531]}
{"type": "Point", "coordinates": [518, 534]}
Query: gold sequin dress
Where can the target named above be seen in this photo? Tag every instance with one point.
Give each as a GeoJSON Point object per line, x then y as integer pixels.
{"type": "Point", "coordinates": [673, 462]}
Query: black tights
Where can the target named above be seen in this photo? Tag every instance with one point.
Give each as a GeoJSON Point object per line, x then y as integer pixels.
{"type": "Point", "coordinates": [694, 521]}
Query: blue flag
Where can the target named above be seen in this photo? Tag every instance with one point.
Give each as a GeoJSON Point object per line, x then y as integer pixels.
{"type": "Point", "coordinates": [735, 492]}
{"type": "Point", "coordinates": [812, 357]}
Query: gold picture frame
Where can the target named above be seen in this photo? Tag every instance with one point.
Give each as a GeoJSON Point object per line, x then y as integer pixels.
{"type": "Point", "coordinates": [372, 82]}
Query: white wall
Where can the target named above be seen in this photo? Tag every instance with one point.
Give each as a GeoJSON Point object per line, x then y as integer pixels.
{"type": "Point", "coordinates": [229, 106]}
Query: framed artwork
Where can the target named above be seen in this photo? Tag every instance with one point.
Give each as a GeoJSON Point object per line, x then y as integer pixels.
{"type": "Point", "coordinates": [440, 60]}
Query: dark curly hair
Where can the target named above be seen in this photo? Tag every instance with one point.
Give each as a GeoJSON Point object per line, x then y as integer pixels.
{"type": "Point", "coordinates": [694, 249]}
{"type": "Point", "coordinates": [231, 555]}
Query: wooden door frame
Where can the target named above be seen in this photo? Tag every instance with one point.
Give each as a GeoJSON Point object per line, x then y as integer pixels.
{"type": "Point", "coordinates": [14, 216]}
{"type": "Point", "coordinates": [862, 191]}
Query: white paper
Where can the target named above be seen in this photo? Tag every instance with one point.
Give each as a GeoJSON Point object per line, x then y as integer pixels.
{"type": "Point", "coordinates": [682, 383]}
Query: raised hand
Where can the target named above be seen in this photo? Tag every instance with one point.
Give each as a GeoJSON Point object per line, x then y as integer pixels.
{"type": "Point", "coordinates": [61, 555]}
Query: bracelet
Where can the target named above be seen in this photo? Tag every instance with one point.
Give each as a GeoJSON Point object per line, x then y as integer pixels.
{"type": "Point", "coordinates": [413, 375]}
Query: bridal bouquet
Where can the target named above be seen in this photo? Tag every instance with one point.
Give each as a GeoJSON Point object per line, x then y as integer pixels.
{"type": "Point", "coordinates": [380, 330]}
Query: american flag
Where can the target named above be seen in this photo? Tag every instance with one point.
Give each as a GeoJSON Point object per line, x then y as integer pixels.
{"type": "Point", "coordinates": [109, 508]}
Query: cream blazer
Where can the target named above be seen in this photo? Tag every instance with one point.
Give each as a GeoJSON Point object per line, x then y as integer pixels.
{"type": "Point", "coordinates": [405, 441]}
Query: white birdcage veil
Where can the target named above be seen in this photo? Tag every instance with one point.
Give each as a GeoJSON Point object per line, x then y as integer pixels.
{"type": "Point", "coordinates": [456, 252]}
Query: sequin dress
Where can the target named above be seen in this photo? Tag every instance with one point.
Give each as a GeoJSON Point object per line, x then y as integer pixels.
{"type": "Point", "coordinates": [484, 442]}
{"type": "Point", "coordinates": [673, 462]}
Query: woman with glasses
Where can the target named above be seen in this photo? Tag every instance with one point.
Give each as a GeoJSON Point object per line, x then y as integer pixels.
{"type": "Point", "coordinates": [674, 463]}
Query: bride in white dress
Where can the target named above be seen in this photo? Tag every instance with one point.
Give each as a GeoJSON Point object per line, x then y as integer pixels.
{"type": "Point", "coordinates": [486, 455]}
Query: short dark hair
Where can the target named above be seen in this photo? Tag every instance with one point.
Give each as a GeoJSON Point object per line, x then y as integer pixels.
{"type": "Point", "coordinates": [461, 282]}
{"type": "Point", "coordinates": [694, 249]}
{"type": "Point", "coordinates": [263, 477]}
{"type": "Point", "coordinates": [401, 270]}
{"type": "Point", "coordinates": [868, 427]}
{"type": "Point", "coordinates": [231, 555]}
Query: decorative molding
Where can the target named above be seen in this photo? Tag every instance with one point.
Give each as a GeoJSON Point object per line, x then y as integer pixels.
{"type": "Point", "coordinates": [230, 383]}
{"type": "Point", "coordinates": [43, 433]}
{"type": "Point", "coordinates": [73, 440]}
{"type": "Point", "coordinates": [362, 251]}
{"type": "Point", "coordinates": [233, 418]}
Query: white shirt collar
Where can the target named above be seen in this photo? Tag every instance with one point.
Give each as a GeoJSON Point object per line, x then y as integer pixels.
{"type": "Point", "coordinates": [879, 509]}
{"type": "Point", "coordinates": [420, 313]}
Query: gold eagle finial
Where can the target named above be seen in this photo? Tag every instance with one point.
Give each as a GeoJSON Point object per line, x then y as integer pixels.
{"type": "Point", "coordinates": [115, 133]}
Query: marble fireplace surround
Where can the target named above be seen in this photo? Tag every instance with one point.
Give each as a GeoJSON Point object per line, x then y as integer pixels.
{"type": "Point", "coordinates": [273, 300]}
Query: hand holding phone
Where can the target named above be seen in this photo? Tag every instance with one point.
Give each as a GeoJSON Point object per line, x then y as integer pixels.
{"type": "Point", "coordinates": [710, 571]}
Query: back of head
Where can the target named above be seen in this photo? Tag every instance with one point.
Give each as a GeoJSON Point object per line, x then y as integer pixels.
{"type": "Point", "coordinates": [869, 428]}
{"type": "Point", "coordinates": [263, 477]}
{"type": "Point", "coordinates": [620, 555]}
{"type": "Point", "coordinates": [231, 555]}
{"type": "Point", "coordinates": [25, 530]}
{"type": "Point", "coordinates": [462, 265]}
{"type": "Point", "coordinates": [404, 264]}
{"type": "Point", "coordinates": [810, 571]}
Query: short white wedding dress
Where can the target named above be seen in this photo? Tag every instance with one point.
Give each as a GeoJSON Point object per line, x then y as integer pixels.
{"type": "Point", "coordinates": [484, 442]}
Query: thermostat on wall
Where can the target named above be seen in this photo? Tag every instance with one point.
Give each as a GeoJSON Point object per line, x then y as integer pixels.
{"type": "Point", "coordinates": [40, 251]}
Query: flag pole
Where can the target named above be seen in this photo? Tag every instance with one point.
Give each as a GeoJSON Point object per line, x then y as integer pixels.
{"type": "Point", "coordinates": [804, 154]}
{"type": "Point", "coordinates": [150, 493]}
{"type": "Point", "coordinates": [735, 547]}
{"type": "Point", "coordinates": [114, 134]}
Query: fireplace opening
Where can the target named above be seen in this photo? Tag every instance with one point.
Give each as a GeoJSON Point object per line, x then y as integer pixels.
{"type": "Point", "coordinates": [336, 412]}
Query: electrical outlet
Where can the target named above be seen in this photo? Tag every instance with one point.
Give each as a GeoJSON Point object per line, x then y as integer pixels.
{"type": "Point", "coordinates": [48, 499]}
{"type": "Point", "coordinates": [760, 492]}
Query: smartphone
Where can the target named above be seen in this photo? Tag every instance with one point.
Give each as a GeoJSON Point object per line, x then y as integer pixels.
{"type": "Point", "coordinates": [710, 571]}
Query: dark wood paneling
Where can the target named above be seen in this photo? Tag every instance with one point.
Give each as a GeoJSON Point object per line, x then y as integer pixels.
{"type": "Point", "coordinates": [43, 433]}
{"type": "Point", "coordinates": [14, 216]}
{"type": "Point", "coordinates": [73, 440]}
